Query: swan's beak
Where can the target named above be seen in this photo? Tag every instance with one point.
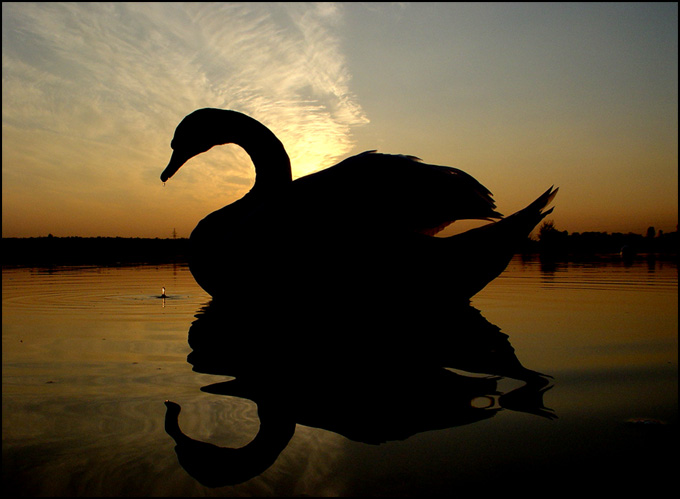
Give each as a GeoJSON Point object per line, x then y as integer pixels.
{"type": "Point", "coordinates": [177, 159]}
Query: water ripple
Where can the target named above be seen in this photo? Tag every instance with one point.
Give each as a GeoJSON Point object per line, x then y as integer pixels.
{"type": "Point", "coordinates": [107, 291]}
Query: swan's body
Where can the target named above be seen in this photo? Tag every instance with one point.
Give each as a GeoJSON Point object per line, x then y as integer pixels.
{"type": "Point", "coordinates": [369, 218]}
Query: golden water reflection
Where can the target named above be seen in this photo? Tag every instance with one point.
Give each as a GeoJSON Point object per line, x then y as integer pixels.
{"type": "Point", "coordinates": [587, 316]}
{"type": "Point", "coordinates": [91, 354]}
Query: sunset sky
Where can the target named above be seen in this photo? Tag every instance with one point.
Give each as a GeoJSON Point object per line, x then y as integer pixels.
{"type": "Point", "coordinates": [521, 96]}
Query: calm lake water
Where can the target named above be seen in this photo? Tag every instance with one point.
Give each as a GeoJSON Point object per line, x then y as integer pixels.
{"type": "Point", "coordinates": [90, 355]}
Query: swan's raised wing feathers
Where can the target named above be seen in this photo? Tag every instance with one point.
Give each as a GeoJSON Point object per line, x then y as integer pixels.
{"type": "Point", "coordinates": [401, 193]}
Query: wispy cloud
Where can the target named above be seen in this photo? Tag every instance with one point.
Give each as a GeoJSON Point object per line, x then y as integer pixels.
{"type": "Point", "coordinates": [285, 67]}
{"type": "Point", "coordinates": [81, 80]}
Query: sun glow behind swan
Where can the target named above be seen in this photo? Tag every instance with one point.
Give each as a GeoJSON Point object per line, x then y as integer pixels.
{"type": "Point", "coordinates": [303, 94]}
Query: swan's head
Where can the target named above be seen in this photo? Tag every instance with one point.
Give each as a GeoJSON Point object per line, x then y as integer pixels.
{"type": "Point", "coordinates": [195, 134]}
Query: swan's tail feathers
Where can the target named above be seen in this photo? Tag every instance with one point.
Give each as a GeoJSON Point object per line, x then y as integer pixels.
{"type": "Point", "coordinates": [543, 201]}
{"type": "Point", "coordinates": [523, 221]}
{"type": "Point", "coordinates": [536, 208]}
{"type": "Point", "coordinates": [546, 198]}
{"type": "Point", "coordinates": [530, 216]}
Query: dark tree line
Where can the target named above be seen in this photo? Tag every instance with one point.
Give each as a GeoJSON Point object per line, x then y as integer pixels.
{"type": "Point", "coordinates": [549, 242]}
{"type": "Point", "coordinates": [92, 250]}
{"type": "Point", "coordinates": [552, 241]}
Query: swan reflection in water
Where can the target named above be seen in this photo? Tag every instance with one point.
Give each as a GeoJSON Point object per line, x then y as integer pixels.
{"type": "Point", "coordinates": [334, 376]}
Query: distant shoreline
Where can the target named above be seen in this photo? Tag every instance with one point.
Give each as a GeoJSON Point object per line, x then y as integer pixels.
{"type": "Point", "coordinates": [92, 250]}
{"type": "Point", "coordinates": [49, 251]}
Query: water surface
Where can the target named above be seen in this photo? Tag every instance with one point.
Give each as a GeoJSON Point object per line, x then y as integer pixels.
{"type": "Point", "coordinates": [90, 354]}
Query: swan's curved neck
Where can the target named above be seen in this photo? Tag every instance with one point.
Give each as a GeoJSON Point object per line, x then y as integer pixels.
{"type": "Point", "coordinates": [272, 164]}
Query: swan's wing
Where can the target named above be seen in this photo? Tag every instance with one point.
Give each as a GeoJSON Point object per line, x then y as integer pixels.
{"type": "Point", "coordinates": [448, 194]}
{"type": "Point", "coordinates": [396, 192]}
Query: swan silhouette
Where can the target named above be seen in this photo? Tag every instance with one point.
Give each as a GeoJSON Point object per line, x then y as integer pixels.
{"type": "Point", "coordinates": [370, 218]}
